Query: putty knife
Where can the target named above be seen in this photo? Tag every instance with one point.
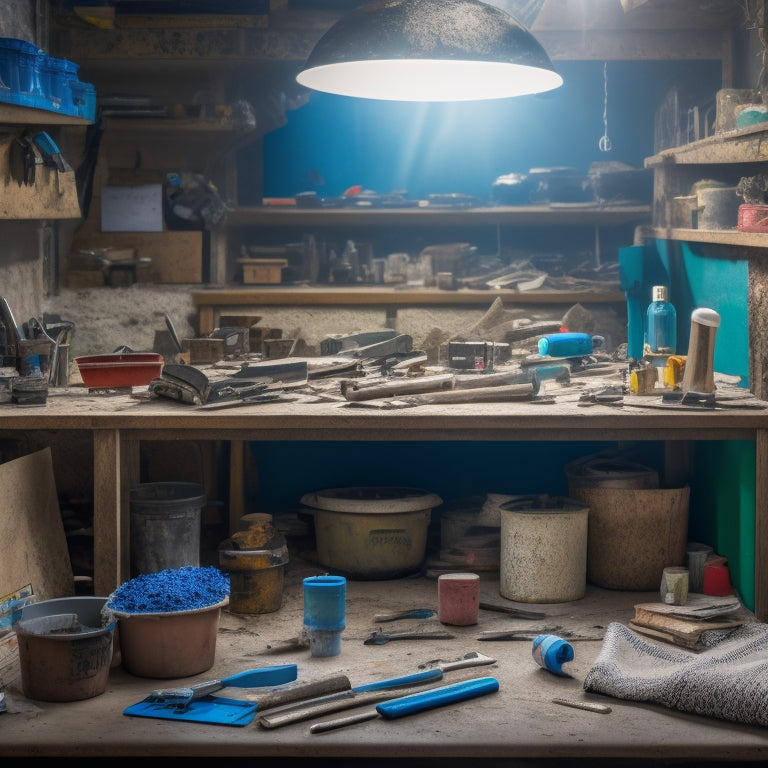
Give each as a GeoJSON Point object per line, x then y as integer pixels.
{"type": "Point", "coordinates": [416, 702]}
{"type": "Point", "coordinates": [250, 678]}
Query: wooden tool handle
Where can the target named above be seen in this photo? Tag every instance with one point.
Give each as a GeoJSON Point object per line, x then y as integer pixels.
{"type": "Point", "coordinates": [290, 694]}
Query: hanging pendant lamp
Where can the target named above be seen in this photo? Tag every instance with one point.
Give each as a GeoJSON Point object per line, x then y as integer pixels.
{"type": "Point", "coordinates": [429, 50]}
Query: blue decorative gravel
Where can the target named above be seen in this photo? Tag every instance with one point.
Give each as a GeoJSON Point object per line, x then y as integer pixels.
{"type": "Point", "coordinates": [175, 589]}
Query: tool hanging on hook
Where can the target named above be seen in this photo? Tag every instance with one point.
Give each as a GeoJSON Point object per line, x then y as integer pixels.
{"type": "Point", "coordinates": [605, 143]}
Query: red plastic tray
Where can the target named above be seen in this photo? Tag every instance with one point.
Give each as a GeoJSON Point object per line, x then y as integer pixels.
{"type": "Point", "coordinates": [128, 369]}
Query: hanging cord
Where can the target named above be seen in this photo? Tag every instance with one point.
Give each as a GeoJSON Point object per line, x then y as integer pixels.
{"type": "Point", "coordinates": [755, 18]}
{"type": "Point", "coordinates": [605, 143]}
{"type": "Point", "coordinates": [761, 80]}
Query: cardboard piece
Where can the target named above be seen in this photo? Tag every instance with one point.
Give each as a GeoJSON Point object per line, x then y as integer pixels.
{"type": "Point", "coordinates": [35, 549]}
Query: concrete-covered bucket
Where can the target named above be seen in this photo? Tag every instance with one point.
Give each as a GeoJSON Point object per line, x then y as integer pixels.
{"type": "Point", "coordinates": [543, 549]}
{"type": "Point", "coordinates": [65, 648]}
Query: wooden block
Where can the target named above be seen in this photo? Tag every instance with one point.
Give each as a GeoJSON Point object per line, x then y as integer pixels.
{"type": "Point", "coordinates": [203, 350]}
{"type": "Point", "coordinates": [77, 279]}
{"type": "Point", "coordinates": [265, 271]}
{"type": "Point", "coordinates": [238, 321]}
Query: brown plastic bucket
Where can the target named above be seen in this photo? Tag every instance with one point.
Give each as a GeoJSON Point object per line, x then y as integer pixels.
{"type": "Point", "coordinates": [175, 644]}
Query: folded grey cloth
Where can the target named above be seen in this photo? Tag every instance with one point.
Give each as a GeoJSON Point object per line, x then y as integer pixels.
{"type": "Point", "coordinates": [728, 680]}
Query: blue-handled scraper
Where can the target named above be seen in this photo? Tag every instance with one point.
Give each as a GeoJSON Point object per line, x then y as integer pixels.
{"type": "Point", "coordinates": [250, 678]}
{"type": "Point", "coordinates": [196, 704]}
{"type": "Point", "coordinates": [415, 702]}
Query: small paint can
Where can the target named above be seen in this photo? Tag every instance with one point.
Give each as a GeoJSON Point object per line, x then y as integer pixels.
{"type": "Point", "coordinates": [458, 599]}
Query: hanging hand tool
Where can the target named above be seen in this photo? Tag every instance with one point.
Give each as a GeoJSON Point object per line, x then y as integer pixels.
{"type": "Point", "coordinates": [369, 693]}
{"type": "Point", "coordinates": [251, 678]}
{"type": "Point", "coordinates": [51, 153]}
{"type": "Point", "coordinates": [417, 702]}
{"type": "Point", "coordinates": [379, 638]}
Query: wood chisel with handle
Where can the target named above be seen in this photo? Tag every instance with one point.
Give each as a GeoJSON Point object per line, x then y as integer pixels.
{"type": "Point", "coordinates": [417, 702]}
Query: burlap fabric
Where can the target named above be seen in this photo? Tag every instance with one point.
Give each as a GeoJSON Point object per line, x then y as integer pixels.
{"type": "Point", "coordinates": [727, 680]}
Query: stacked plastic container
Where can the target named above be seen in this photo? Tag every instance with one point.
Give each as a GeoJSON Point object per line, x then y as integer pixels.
{"type": "Point", "coordinates": [31, 78]}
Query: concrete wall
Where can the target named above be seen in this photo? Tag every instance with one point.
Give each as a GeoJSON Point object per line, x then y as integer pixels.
{"type": "Point", "coordinates": [20, 262]}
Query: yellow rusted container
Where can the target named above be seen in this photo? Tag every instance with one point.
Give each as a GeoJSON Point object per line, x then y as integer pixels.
{"type": "Point", "coordinates": [255, 578]}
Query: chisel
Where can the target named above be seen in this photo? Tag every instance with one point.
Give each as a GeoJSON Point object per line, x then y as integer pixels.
{"type": "Point", "coordinates": [417, 702]}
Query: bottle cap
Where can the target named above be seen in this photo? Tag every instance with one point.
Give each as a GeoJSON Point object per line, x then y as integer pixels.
{"type": "Point", "coordinates": [659, 293]}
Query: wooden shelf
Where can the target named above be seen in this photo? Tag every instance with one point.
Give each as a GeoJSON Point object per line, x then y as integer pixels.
{"type": "Point", "coordinates": [14, 114]}
{"type": "Point", "coordinates": [212, 303]}
{"type": "Point", "coordinates": [524, 215]}
{"type": "Point", "coordinates": [745, 145]}
{"type": "Point", "coordinates": [169, 125]}
{"type": "Point", "coordinates": [713, 236]}
{"type": "Point", "coordinates": [373, 295]}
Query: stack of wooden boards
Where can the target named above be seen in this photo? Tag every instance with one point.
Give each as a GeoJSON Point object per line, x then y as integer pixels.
{"type": "Point", "coordinates": [684, 625]}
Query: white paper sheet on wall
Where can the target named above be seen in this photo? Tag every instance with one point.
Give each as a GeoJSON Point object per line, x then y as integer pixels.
{"type": "Point", "coordinates": [132, 209]}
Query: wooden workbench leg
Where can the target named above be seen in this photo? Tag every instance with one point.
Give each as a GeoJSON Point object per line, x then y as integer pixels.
{"type": "Point", "coordinates": [205, 320]}
{"type": "Point", "coordinates": [761, 525]}
{"type": "Point", "coordinates": [677, 463]}
{"type": "Point", "coordinates": [115, 469]}
{"type": "Point", "coordinates": [237, 450]}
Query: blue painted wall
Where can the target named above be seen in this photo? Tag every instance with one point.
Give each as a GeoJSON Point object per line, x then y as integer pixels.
{"type": "Point", "coordinates": [334, 142]}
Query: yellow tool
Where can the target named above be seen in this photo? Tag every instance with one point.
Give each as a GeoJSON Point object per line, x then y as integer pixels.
{"type": "Point", "coordinates": [673, 371]}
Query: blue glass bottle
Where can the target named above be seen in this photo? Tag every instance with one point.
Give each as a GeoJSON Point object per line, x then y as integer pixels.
{"type": "Point", "coordinates": [661, 323]}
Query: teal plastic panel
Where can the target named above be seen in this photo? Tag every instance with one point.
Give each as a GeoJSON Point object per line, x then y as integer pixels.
{"type": "Point", "coordinates": [698, 278]}
{"type": "Point", "coordinates": [722, 507]}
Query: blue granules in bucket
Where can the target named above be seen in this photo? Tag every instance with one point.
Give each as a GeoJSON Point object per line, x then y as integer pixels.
{"type": "Point", "coordinates": [175, 589]}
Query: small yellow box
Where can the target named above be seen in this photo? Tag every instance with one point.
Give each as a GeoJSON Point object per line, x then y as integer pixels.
{"type": "Point", "coordinates": [263, 270]}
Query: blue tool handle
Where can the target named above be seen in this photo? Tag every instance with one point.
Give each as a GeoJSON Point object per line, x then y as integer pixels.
{"type": "Point", "coordinates": [250, 678]}
{"type": "Point", "coordinates": [397, 682]}
{"type": "Point", "coordinates": [255, 678]}
{"type": "Point", "coordinates": [566, 344]}
{"type": "Point", "coordinates": [437, 697]}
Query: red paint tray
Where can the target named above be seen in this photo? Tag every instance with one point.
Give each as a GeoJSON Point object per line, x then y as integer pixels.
{"type": "Point", "coordinates": [125, 369]}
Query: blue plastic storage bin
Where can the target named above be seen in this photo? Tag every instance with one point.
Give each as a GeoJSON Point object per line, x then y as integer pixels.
{"type": "Point", "coordinates": [17, 66]}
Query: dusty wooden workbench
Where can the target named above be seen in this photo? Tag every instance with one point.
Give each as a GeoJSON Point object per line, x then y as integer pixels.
{"type": "Point", "coordinates": [517, 723]}
{"type": "Point", "coordinates": [119, 423]}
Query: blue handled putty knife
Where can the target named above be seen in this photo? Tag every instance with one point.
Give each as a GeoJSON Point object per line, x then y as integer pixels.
{"type": "Point", "coordinates": [250, 678]}
{"type": "Point", "coordinates": [416, 702]}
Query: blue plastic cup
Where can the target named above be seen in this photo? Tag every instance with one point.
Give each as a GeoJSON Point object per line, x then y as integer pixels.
{"type": "Point", "coordinates": [325, 613]}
